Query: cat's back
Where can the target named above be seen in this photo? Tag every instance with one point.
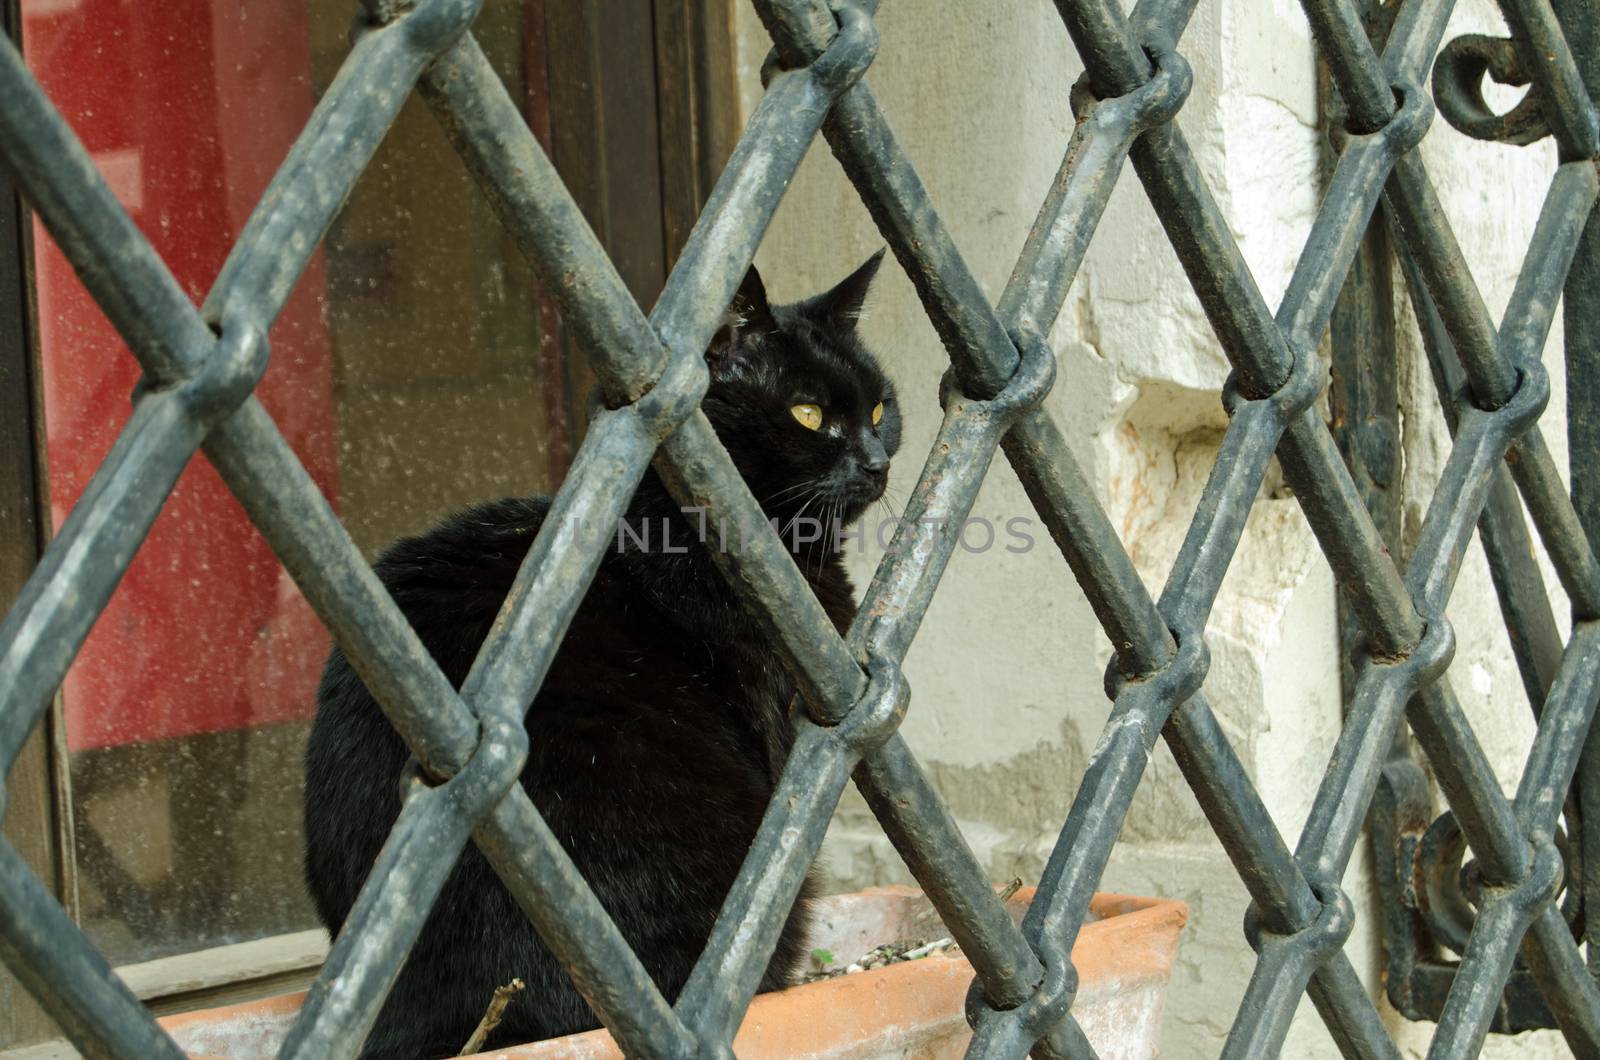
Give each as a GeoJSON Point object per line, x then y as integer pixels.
{"type": "Point", "coordinates": [449, 583]}
{"type": "Point", "coordinates": [645, 696]}
{"type": "Point", "coordinates": [655, 739]}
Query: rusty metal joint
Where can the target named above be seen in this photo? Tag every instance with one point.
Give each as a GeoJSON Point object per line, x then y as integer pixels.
{"type": "Point", "coordinates": [229, 373]}
{"type": "Point", "coordinates": [1298, 392]}
{"type": "Point", "coordinates": [1313, 944]}
{"type": "Point", "coordinates": [1410, 122]}
{"type": "Point", "coordinates": [1041, 1011]}
{"type": "Point", "coordinates": [846, 58]}
{"type": "Point", "coordinates": [1427, 661]}
{"type": "Point", "coordinates": [1179, 678]}
{"type": "Point", "coordinates": [1030, 382]}
{"type": "Point", "coordinates": [495, 765]}
{"type": "Point", "coordinates": [1520, 410]}
{"type": "Point", "coordinates": [877, 714]}
{"type": "Point", "coordinates": [674, 395]}
{"type": "Point", "coordinates": [1153, 103]}
{"type": "Point", "coordinates": [430, 26]}
{"type": "Point", "coordinates": [1528, 896]}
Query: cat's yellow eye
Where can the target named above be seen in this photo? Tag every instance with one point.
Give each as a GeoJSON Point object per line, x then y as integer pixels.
{"type": "Point", "coordinates": [809, 416]}
{"type": "Point", "coordinates": [877, 414]}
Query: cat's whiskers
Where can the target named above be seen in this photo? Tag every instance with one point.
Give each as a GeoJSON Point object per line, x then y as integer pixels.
{"type": "Point", "coordinates": [788, 490]}
{"type": "Point", "coordinates": [795, 519]}
{"type": "Point", "coordinates": [822, 545]}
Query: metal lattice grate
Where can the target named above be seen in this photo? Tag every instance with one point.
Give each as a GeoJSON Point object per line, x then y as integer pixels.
{"type": "Point", "coordinates": [201, 366]}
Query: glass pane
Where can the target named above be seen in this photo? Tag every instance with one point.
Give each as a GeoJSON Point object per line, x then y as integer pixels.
{"type": "Point", "coordinates": [407, 372]}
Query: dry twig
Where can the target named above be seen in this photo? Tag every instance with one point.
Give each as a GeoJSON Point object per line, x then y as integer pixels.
{"type": "Point", "coordinates": [491, 1016]}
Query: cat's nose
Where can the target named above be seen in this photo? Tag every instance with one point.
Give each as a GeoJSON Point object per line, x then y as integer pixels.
{"type": "Point", "coordinates": [873, 458]}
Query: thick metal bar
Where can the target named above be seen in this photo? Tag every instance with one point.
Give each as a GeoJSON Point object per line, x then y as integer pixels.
{"type": "Point", "coordinates": [565, 555]}
{"type": "Point", "coordinates": [293, 515]}
{"type": "Point", "coordinates": [1184, 167]}
{"type": "Point", "coordinates": [1562, 731]}
{"type": "Point", "coordinates": [863, 132]}
{"type": "Point", "coordinates": [74, 580]}
{"type": "Point", "coordinates": [1581, 322]}
{"type": "Point", "coordinates": [1486, 818]}
{"type": "Point", "coordinates": [1426, 231]}
{"type": "Point", "coordinates": [652, 367]}
{"type": "Point", "coordinates": [1334, 826]}
{"type": "Point", "coordinates": [1307, 441]}
{"type": "Point", "coordinates": [927, 533]}
{"type": "Point", "coordinates": [1518, 582]}
{"type": "Point", "coordinates": [1084, 846]}
{"type": "Point", "coordinates": [758, 568]}
{"type": "Point", "coordinates": [706, 476]}
{"type": "Point", "coordinates": [1308, 304]}
{"type": "Point", "coordinates": [548, 888]}
{"type": "Point", "coordinates": [926, 836]}
{"type": "Point", "coordinates": [1116, 64]}
{"type": "Point", "coordinates": [1548, 952]}
{"type": "Point", "coordinates": [139, 295]}
{"type": "Point", "coordinates": [58, 966]}
{"type": "Point", "coordinates": [1533, 467]}
{"type": "Point", "coordinates": [502, 682]}
{"type": "Point", "coordinates": [1501, 921]}
{"type": "Point", "coordinates": [342, 1005]}
{"type": "Point", "coordinates": [1213, 536]}
{"type": "Point", "coordinates": [1211, 769]}
{"type": "Point", "coordinates": [1458, 762]}
{"type": "Point", "coordinates": [746, 931]}
{"type": "Point", "coordinates": [1507, 544]}
{"type": "Point", "coordinates": [508, 162]}
{"type": "Point", "coordinates": [1383, 689]}
{"type": "Point", "coordinates": [982, 350]}
{"type": "Point", "coordinates": [338, 141]}
{"type": "Point", "coordinates": [313, 567]}
{"type": "Point", "coordinates": [1074, 498]}
{"type": "Point", "coordinates": [484, 124]}
{"type": "Point", "coordinates": [1481, 444]}
{"type": "Point", "coordinates": [725, 978]}
{"type": "Point", "coordinates": [1309, 456]}
{"type": "Point", "coordinates": [1071, 211]}
{"type": "Point", "coordinates": [697, 481]}
{"type": "Point", "coordinates": [957, 307]}
{"type": "Point", "coordinates": [116, 263]}
{"type": "Point", "coordinates": [701, 476]}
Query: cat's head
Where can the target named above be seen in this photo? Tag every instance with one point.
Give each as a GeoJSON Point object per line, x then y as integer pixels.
{"type": "Point", "coordinates": [808, 416]}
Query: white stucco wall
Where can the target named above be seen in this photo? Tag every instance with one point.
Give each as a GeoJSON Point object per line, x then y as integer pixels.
{"type": "Point", "coordinates": [1006, 674]}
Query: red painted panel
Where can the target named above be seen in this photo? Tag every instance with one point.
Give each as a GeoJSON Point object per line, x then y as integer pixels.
{"type": "Point", "coordinates": [187, 107]}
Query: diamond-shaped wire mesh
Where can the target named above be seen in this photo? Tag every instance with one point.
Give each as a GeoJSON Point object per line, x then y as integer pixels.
{"type": "Point", "coordinates": [200, 368]}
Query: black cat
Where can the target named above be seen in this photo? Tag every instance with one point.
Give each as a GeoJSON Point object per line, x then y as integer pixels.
{"type": "Point", "coordinates": [658, 735]}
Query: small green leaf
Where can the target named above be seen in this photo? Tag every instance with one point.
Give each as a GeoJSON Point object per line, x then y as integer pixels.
{"type": "Point", "coordinates": [822, 957]}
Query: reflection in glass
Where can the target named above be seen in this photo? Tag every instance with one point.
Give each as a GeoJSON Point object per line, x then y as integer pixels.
{"type": "Point", "coordinates": [406, 373]}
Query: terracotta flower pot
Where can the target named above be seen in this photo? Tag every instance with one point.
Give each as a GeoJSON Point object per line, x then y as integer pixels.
{"type": "Point", "coordinates": [912, 1009]}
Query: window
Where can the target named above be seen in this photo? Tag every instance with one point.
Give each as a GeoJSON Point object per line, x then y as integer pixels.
{"type": "Point", "coordinates": [416, 369]}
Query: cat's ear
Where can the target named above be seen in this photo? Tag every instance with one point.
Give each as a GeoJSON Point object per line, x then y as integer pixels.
{"type": "Point", "coordinates": [842, 305]}
{"type": "Point", "coordinates": [749, 315]}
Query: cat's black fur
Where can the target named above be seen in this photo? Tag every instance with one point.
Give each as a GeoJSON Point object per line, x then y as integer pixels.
{"type": "Point", "coordinates": [657, 736]}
